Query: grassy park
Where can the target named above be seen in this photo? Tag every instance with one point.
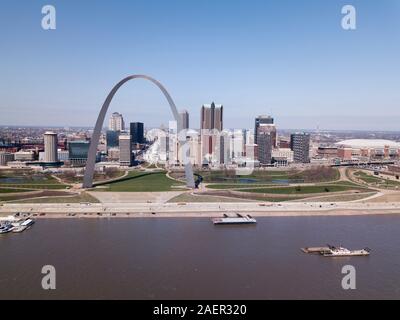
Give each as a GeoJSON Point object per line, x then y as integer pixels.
{"type": "Point", "coordinates": [12, 190]}
{"type": "Point", "coordinates": [221, 185]}
{"type": "Point", "coordinates": [76, 176]}
{"type": "Point", "coordinates": [339, 191]}
{"type": "Point", "coordinates": [376, 181]}
{"type": "Point", "coordinates": [6, 197]}
{"type": "Point", "coordinates": [187, 197]}
{"type": "Point", "coordinates": [142, 182]}
{"type": "Point", "coordinates": [79, 198]}
{"type": "Point", "coordinates": [302, 189]}
{"type": "Point", "coordinates": [268, 176]}
{"type": "Point", "coordinates": [283, 185]}
{"type": "Point", "coordinates": [29, 180]}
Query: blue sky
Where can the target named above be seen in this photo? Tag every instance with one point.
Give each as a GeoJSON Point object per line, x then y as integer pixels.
{"type": "Point", "coordinates": [288, 58]}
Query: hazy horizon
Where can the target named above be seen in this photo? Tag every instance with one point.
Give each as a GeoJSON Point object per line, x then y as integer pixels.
{"type": "Point", "coordinates": [277, 120]}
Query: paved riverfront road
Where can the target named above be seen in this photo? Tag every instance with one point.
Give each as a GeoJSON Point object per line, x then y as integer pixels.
{"type": "Point", "coordinates": [208, 209]}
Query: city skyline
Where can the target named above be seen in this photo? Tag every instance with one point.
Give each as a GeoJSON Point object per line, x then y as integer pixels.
{"type": "Point", "coordinates": [222, 151]}
{"type": "Point", "coordinates": [319, 76]}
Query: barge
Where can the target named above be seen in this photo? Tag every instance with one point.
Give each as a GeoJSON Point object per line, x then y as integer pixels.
{"type": "Point", "coordinates": [15, 224]}
{"type": "Point", "coordinates": [333, 251]}
{"type": "Point", "coordinates": [234, 220]}
{"type": "Point", "coordinates": [344, 252]}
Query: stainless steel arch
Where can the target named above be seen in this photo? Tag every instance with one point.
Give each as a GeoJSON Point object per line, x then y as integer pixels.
{"type": "Point", "coordinates": [90, 164]}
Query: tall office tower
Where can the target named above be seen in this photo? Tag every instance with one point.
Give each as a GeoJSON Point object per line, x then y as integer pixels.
{"type": "Point", "coordinates": [164, 148]}
{"type": "Point", "coordinates": [227, 147]}
{"type": "Point", "coordinates": [211, 117]}
{"type": "Point", "coordinates": [264, 148]}
{"type": "Point", "coordinates": [194, 153]}
{"type": "Point", "coordinates": [210, 144]}
{"type": "Point", "coordinates": [184, 115]}
{"type": "Point", "coordinates": [300, 145]}
{"type": "Point", "coordinates": [221, 149]}
{"type": "Point", "coordinates": [238, 143]}
{"type": "Point", "coordinates": [249, 137]}
{"type": "Point", "coordinates": [78, 152]}
{"type": "Point", "coordinates": [251, 151]}
{"type": "Point", "coordinates": [269, 128]}
{"type": "Point", "coordinates": [116, 122]}
{"type": "Point", "coordinates": [125, 150]}
{"type": "Point", "coordinates": [112, 139]}
{"type": "Point", "coordinates": [50, 147]}
{"type": "Point", "coordinates": [261, 120]}
{"type": "Point", "coordinates": [136, 132]}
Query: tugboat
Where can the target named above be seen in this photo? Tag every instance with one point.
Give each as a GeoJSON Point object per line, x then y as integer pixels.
{"type": "Point", "coordinates": [344, 252]}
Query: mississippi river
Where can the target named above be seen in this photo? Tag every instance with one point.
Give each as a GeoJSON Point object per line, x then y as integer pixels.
{"type": "Point", "coordinates": [190, 258]}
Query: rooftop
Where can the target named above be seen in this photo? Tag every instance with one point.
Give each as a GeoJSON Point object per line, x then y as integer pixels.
{"type": "Point", "coordinates": [368, 143]}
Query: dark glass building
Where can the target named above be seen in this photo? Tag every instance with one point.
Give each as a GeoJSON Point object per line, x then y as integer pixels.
{"type": "Point", "coordinates": [112, 138]}
{"type": "Point", "coordinates": [78, 152]}
{"type": "Point", "coordinates": [136, 132]}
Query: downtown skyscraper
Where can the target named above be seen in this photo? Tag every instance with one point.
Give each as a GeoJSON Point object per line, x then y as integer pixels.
{"type": "Point", "coordinates": [262, 119]}
{"type": "Point", "coordinates": [265, 148]}
{"type": "Point", "coordinates": [211, 117]}
{"type": "Point", "coordinates": [184, 115]}
{"type": "Point", "coordinates": [116, 122]}
{"type": "Point", "coordinates": [50, 147]}
{"type": "Point", "coordinates": [300, 144]}
{"type": "Point", "coordinates": [125, 150]}
{"type": "Point", "coordinates": [137, 132]}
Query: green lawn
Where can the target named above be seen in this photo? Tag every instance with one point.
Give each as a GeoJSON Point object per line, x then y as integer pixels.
{"type": "Point", "coordinates": [187, 197]}
{"type": "Point", "coordinates": [35, 186]}
{"type": "Point", "coordinates": [83, 197]}
{"type": "Point", "coordinates": [302, 189]}
{"type": "Point", "coordinates": [142, 182]}
{"type": "Point", "coordinates": [314, 174]}
{"type": "Point", "coordinates": [392, 183]}
{"type": "Point", "coordinates": [10, 190]}
{"type": "Point", "coordinates": [346, 183]}
{"type": "Point", "coordinates": [366, 177]}
{"type": "Point", "coordinates": [29, 180]}
{"type": "Point", "coordinates": [237, 185]}
{"type": "Point", "coordinates": [342, 197]}
{"type": "Point", "coordinates": [376, 180]}
{"type": "Point", "coordinates": [70, 177]}
{"type": "Point", "coordinates": [24, 195]}
{"type": "Point", "coordinates": [230, 177]}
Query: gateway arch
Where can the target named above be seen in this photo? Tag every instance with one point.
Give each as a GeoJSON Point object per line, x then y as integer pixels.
{"type": "Point", "coordinates": [91, 160]}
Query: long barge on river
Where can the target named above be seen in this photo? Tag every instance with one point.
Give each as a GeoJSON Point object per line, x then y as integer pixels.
{"type": "Point", "coordinates": [336, 251]}
{"type": "Point", "coordinates": [239, 219]}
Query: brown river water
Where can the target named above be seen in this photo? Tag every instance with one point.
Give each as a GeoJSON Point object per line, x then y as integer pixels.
{"type": "Point", "coordinates": [190, 258]}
